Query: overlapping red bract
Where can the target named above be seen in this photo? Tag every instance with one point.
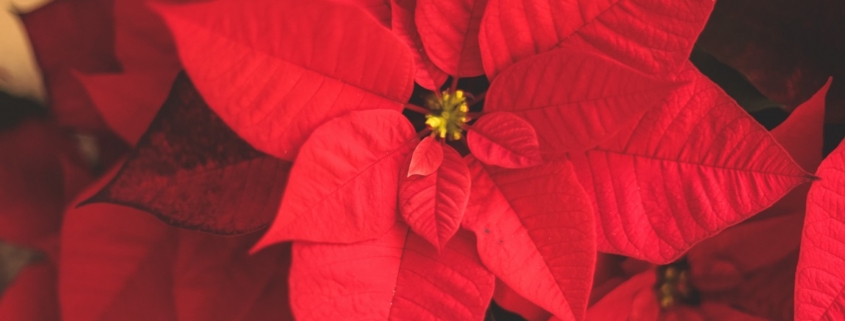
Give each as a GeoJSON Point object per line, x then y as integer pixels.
{"type": "Point", "coordinates": [192, 171]}
{"type": "Point", "coordinates": [504, 140]}
{"type": "Point", "coordinates": [274, 81]}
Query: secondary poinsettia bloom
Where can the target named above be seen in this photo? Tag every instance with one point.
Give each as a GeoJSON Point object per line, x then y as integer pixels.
{"type": "Point", "coordinates": [295, 89]}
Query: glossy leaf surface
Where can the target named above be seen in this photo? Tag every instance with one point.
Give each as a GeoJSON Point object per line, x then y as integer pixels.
{"type": "Point", "coordinates": [683, 172]}
{"type": "Point", "coordinates": [574, 100]}
{"type": "Point", "coordinates": [535, 232]}
{"type": "Point", "coordinates": [434, 205]}
{"type": "Point", "coordinates": [274, 75]}
{"type": "Point", "coordinates": [346, 179]}
{"type": "Point", "coordinates": [398, 276]}
{"type": "Point", "coordinates": [649, 35]}
{"type": "Point", "coordinates": [192, 171]}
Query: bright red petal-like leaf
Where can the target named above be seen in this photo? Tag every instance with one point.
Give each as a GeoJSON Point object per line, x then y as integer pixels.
{"type": "Point", "coordinates": [820, 279]}
{"type": "Point", "coordinates": [274, 75]}
{"type": "Point", "coordinates": [427, 74]}
{"type": "Point", "coordinates": [683, 172]}
{"type": "Point", "coordinates": [32, 295]}
{"type": "Point", "coordinates": [426, 158]}
{"type": "Point", "coordinates": [449, 32]}
{"type": "Point", "coordinates": [346, 178]}
{"type": "Point", "coordinates": [536, 233]}
{"type": "Point", "coordinates": [503, 139]}
{"type": "Point", "coordinates": [801, 134]}
{"type": "Point", "coordinates": [216, 279]}
{"type": "Point", "coordinates": [434, 205]}
{"type": "Point", "coordinates": [192, 171]}
{"type": "Point", "coordinates": [650, 35]}
{"type": "Point", "coordinates": [128, 102]}
{"type": "Point", "coordinates": [574, 100]}
{"type": "Point", "coordinates": [398, 276]}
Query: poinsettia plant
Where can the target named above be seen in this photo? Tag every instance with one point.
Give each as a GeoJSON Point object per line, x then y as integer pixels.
{"type": "Point", "coordinates": [419, 159]}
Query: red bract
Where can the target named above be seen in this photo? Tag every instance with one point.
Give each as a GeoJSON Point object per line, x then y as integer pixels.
{"type": "Point", "coordinates": [192, 171]}
{"type": "Point", "coordinates": [626, 30]}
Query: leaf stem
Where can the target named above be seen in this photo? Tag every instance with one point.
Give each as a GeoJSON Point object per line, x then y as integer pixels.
{"type": "Point", "coordinates": [417, 109]}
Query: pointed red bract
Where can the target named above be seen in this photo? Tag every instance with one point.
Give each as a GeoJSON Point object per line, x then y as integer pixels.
{"type": "Point", "coordinates": [683, 172]}
{"type": "Point", "coordinates": [820, 279]}
{"type": "Point", "coordinates": [504, 140]}
{"type": "Point", "coordinates": [192, 171]}
{"type": "Point", "coordinates": [426, 158]}
{"type": "Point", "coordinates": [346, 180]}
{"type": "Point", "coordinates": [802, 133]}
{"type": "Point", "coordinates": [427, 74]}
{"type": "Point", "coordinates": [626, 30]}
{"type": "Point", "coordinates": [449, 32]}
{"type": "Point", "coordinates": [590, 99]}
{"type": "Point", "coordinates": [434, 205]}
{"type": "Point", "coordinates": [128, 102]}
{"type": "Point", "coordinates": [536, 233]}
{"type": "Point", "coordinates": [398, 276]}
{"type": "Point", "coordinates": [274, 75]}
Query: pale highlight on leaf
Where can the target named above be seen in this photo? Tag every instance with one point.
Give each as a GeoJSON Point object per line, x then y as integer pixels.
{"type": "Point", "coordinates": [346, 180]}
{"type": "Point", "coordinates": [434, 205]}
{"type": "Point", "coordinates": [536, 233]}
{"type": "Point", "coordinates": [274, 76]}
{"type": "Point", "coordinates": [398, 276]}
{"type": "Point", "coordinates": [683, 172]}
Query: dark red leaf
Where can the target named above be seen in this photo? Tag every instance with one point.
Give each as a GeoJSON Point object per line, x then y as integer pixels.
{"type": "Point", "coordinates": [536, 233]}
{"type": "Point", "coordinates": [274, 75]}
{"type": "Point", "coordinates": [216, 279]}
{"type": "Point", "coordinates": [434, 205]}
{"type": "Point", "coordinates": [192, 171]}
{"type": "Point", "coordinates": [70, 36]}
{"type": "Point", "coordinates": [683, 172]}
{"type": "Point", "coordinates": [503, 139]}
{"type": "Point", "coordinates": [398, 276]}
{"type": "Point", "coordinates": [426, 158]}
{"type": "Point", "coordinates": [32, 296]}
{"type": "Point", "coordinates": [346, 178]}
{"type": "Point", "coordinates": [649, 35]}
{"type": "Point", "coordinates": [820, 279]}
{"type": "Point", "coordinates": [590, 99]}
{"type": "Point", "coordinates": [115, 265]}
{"type": "Point", "coordinates": [427, 75]}
{"type": "Point", "coordinates": [31, 189]}
{"type": "Point", "coordinates": [449, 32]}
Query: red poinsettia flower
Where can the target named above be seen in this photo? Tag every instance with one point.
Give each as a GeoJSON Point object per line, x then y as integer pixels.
{"type": "Point", "coordinates": [299, 96]}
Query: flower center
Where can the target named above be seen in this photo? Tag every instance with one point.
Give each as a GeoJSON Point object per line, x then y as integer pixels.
{"type": "Point", "coordinates": [448, 114]}
{"type": "Point", "coordinates": [674, 286]}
